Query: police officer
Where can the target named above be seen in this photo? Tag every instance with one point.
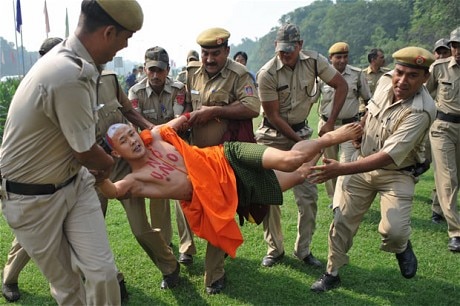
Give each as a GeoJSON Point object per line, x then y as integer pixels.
{"type": "Point", "coordinates": [441, 50]}
{"type": "Point", "coordinates": [159, 99]}
{"type": "Point", "coordinates": [223, 98]}
{"type": "Point", "coordinates": [287, 90]}
{"type": "Point", "coordinates": [192, 55]}
{"type": "Point", "coordinates": [357, 89]}
{"type": "Point", "coordinates": [49, 199]}
{"type": "Point", "coordinates": [396, 125]}
{"type": "Point", "coordinates": [445, 136]}
{"type": "Point", "coordinates": [373, 72]}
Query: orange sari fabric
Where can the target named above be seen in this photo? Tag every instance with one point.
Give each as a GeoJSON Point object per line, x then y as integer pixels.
{"type": "Point", "coordinates": [211, 213]}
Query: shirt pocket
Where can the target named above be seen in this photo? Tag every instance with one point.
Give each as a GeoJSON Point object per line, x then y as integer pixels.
{"type": "Point", "coordinates": [150, 114]}
{"type": "Point", "coordinates": [447, 91]}
{"type": "Point", "coordinates": [219, 98]}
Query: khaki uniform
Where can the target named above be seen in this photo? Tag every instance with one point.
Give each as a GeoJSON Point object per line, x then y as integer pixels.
{"type": "Point", "coordinates": [232, 83]}
{"type": "Point", "coordinates": [400, 130]}
{"type": "Point", "coordinates": [372, 79]}
{"type": "Point", "coordinates": [444, 85]}
{"type": "Point", "coordinates": [357, 89]}
{"type": "Point", "coordinates": [293, 89]}
{"type": "Point", "coordinates": [53, 114]}
{"type": "Point", "coordinates": [159, 109]}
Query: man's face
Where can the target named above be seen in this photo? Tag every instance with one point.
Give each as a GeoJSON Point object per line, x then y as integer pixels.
{"type": "Point", "coordinates": [157, 77]}
{"type": "Point", "coordinates": [127, 143]}
{"type": "Point", "coordinates": [290, 58]}
{"type": "Point", "coordinates": [240, 59]}
{"type": "Point", "coordinates": [407, 81]}
{"type": "Point", "coordinates": [380, 60]}
{"type": "Point", "coordinates": [455, 49]}
{"type": "Point", "coordinates": [442, 53]}
{"type": "Point", "coordinates": [339, 61]}
{"type": "Point", "coordinates": [115, 42]}
{"type": "Point", "coordinates": [214, 59]}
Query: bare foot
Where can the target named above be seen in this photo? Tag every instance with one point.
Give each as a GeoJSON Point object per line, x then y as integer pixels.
{"type": "Point", "coordinates": [344, 133]}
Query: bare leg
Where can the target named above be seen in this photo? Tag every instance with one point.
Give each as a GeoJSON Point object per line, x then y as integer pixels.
{"type": "Point", "coordinates": [306, 150]}
{"type": "Point", "coordinates": [288, 180]}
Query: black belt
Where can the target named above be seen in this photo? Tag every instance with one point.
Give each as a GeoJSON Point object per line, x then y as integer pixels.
{"type": "Point", "coordinates": [448, 117]}
{"type": "Point", "coordinates": [35, 189]}
{"type": "Point", "coordinates": [296, 127]}
{"type": "Point", "coordinates": [417, 169]}
{"type": "Point", "coordinates": [342, 121]}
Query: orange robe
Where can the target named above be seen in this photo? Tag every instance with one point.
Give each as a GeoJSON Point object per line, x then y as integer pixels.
{"type": "Point", "coordinates": [211, 212]}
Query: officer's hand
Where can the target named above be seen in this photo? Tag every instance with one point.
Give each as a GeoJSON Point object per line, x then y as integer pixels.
{"type": "Point", "coordinates": [321, 173]}
{"type": "Point", "coordinates": [202, 115]}
{"type": "Point", "coordinates": [327, 127]}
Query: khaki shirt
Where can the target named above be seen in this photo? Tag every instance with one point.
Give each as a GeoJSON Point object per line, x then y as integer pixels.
{"type": "Point", "coordinates": [110, 108]}
{"type": "Point", "coordinates": [444, 85]}
{"type": "Point", "coordinates": [295, 90]}
{"type": "Point", "coordinates": [373, 77]}
{"type": "Point", "coordinates": [357, 88]}
{"type": "Point", "coordinates": [232, 83]}
{"type": "Point", "coordinates": [161, 108]}
{"type": "Point", "coordinates": [52, 114]}
{"type": "Point", "coordinates": [397, 128]}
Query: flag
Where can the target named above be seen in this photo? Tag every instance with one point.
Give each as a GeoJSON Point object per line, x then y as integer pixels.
{"type": "Point", "coordinates": [47, 21]}
{"type": "Point", "coordinates": [18, 16]}
{"type": "Point", "coordinates": [66, 24]}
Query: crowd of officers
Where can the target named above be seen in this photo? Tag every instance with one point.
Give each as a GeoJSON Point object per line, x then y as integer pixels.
{"type": "Point", "coordinates": [410, 115]}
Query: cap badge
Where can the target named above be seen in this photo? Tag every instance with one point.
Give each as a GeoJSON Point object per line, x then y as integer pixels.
{"type": "Point", "coordinates": [419, 60]}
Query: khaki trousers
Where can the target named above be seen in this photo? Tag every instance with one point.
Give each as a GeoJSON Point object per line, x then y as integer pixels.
{"type": "Point", "coordinates": [64, 233]}
{"type": "Point", "coordinates": [396, 190]}
{"type": "Point", "coordinates": [445, 148]}
{"type": "Point", "coordinates": [306, 197]}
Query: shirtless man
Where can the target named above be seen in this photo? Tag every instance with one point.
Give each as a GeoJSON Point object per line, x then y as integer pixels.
{"type": "Point", "coordinates": [167, 167]}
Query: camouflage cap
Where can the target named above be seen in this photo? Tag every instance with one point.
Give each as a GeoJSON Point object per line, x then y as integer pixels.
{"type": "Point", "coordinates": [156, 57]}
{"type": "Point", "coordinates": [414, 57]}
{"type": "Point", "coordinates": [287, 37]}
{"type": "Point", "coordinates": [454, 36]}
{"type": "Point", "coordinates": [213, 38]}
{"type": "Point", "coordinates": [192, 55]}
{"type": "Point", "coordinates": [128, 13]}
{"type": "Point", "coordinates": [339, 48]}
{"type": "Point", "coordinates": [48, 44]}
{"type": "Point", "coordinates": [441, 43]}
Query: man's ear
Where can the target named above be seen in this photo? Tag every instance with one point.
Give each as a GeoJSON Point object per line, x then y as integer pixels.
{"type": "Point", "coordinates": [115, 154]}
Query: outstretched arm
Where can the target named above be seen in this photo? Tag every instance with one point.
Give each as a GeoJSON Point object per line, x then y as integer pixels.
{"type": "Point", "coordinates": [119, 190]}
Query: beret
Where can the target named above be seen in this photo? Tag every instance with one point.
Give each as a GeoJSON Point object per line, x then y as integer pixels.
{"type": "Point", "coordinates": [128, 13]}
{"type": "Point", "coordinates": [414, 57]}
{"type": "Point", "coordinates": [338, 48]}
{"type": "Point", "coordinates": [213, 37]}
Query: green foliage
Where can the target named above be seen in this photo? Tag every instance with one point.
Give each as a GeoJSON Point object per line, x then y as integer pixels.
{"type": "Point", "coordinates": [7, 90]}
{"type": "Point", "coordinates": [364, 24]}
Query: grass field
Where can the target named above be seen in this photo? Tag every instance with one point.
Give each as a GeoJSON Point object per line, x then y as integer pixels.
{"type": "Point", "coordinates": [371, 278]}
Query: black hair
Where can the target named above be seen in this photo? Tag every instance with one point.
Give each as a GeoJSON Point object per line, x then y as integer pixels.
{"type": "Point", "coordinates": [242, 53]}
{"type": "Point", "coordinates": [373, 54]}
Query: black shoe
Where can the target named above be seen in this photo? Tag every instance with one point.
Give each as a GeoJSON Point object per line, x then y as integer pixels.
{"type": "Point", "coordinates": [437, 218]}
{"type": "Point", "coordinates": [311, 260]}
{"type": "Point", "coordinates": [326, 282]}
{"type": "Point", "coordinates": [185, 259]}
{"type": "Point", "coordinates": [10, 291]}
{"type": "Point", "coordinates": [217, 286]}
{"type": "Point", "coordinates": [407, 261]}
{"type": "Point", "coordinates": [123, 291]}
{"type": "Point", "coordinates": [269, 261]}
{"type": "Point", "coordinates": [454, 244]}
{"type": "Point", "coordinates": [171, 280]}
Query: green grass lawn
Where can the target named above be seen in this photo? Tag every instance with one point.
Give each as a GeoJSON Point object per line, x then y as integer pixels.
{"type": "Point", "coordinates": [371, 278]}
